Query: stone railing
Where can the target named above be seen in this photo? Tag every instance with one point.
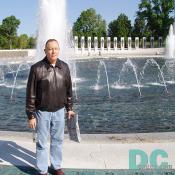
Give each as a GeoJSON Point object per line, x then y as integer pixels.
{"type": "Point", "coordinates": [17, 54]}
{"type": "Point", "coordinates": [99, 45]}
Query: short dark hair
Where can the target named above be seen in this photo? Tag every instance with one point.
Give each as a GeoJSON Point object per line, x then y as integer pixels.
{"type": "Point", "coordinates": [50, 40]}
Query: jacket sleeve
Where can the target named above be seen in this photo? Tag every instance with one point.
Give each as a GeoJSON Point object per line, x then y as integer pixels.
{"type": "Point", "coordinates": [31, 94]}
{"type": "Point", "coordinates": [69, 104]}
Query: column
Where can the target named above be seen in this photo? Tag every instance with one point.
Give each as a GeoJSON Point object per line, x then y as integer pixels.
{"type": "Point", "coordinates": [144, 42]}
{"type": "Point", "coordinates": [129, 43]}
{"type": "Point", "coordinates": [102, 44]}
{"type": "Point", "coordinates": [96, 44]}
{"type": "Point", "coordinates": [89, 44]}
{"type": "Point", "coordinates": [152, 42]}
{"type": "Point", "coordinates": [115, 43]}
{"type": "Point", "coordinates": [160, 42]}
{"type": "Point", "coordinates": [122, 42]}
{"type": "Point", "coordinates": [137, 42]}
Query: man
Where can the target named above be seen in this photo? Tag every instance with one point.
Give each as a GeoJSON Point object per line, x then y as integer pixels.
{"type": "Point", "coordinates": [49, 90]}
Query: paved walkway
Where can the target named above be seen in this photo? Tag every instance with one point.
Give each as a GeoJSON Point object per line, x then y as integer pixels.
{"type": "Point", "coordinates": [95, 154]}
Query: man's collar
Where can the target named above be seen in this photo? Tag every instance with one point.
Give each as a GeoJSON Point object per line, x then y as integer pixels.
{"type": "Point", "coordinates": [48, 64]}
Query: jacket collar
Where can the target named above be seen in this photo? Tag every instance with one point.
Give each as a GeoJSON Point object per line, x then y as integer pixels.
{"type": "Point", "coordinates": [48, 64]}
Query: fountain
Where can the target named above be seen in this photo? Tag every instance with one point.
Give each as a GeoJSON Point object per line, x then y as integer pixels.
{"type": "Point", "coordinates": [132, 96]}
{"type": "Point", "coordinates": [26, 67]}
{"type": "Point", "coordinates": [170, 44]}
{"type": "Point", "coordinates": [52, 23]}
{"type": "Point", "coordinates": [126, 65]}
{"type": "Point", "coordinates": [97, 87]}
{"type": "Point", "coordinates": [170, 40]}
{"type": "Point", "coordinates": [160, 76]}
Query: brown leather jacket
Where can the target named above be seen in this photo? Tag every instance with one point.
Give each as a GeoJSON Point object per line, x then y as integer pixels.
{"type": "Point", "coordinates": [48, 88]}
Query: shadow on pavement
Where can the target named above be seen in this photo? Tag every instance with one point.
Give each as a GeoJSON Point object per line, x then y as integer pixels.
{"type": "Point", "coordinates": [18, 156]}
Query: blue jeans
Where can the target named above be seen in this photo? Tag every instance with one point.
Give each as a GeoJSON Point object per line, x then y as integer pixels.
{"type": "Point", "coordinates": [49, 123]}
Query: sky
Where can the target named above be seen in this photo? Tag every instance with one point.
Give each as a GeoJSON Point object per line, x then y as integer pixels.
{"type": "Point", "coordinates": [26, 11]}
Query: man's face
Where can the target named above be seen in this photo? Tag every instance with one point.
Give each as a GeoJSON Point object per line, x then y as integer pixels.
{"type": "Point", "coordinates": [52, 51]}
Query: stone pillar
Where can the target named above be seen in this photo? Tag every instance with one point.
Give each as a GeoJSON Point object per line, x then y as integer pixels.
{"type": "Point", "coordinates": [122, 43]}
{"type": "Point", "coordinates": [152, 42]}
{"type": "Point", "coordinates": [115, 43]}
{"type": "Point", "coordinates": [144, 42]}
{"type": "Point", "coordinates": [160, 42]}
{"type": "Point", "coordinates": [96, 44]}
{"type": "Point", "coordinates": [82, 44]}
{"type": "Point", "coordinates": [102, 43]}
{"type": "Point", "coordinates": [76, 44]}
{"type": "Point", "coordinates": [129, 43]}
{"type": "Point", "coordinates": [89, 45]}
{"type": "Point", "coordinates": [108, 43]}
{"type": "Point", "coordinates": [137, 42]}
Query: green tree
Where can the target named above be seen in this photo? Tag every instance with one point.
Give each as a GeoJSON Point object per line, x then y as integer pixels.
{"type": "Point", "coordinates": [112, 29]}
{"type": "Point", "coordinates": [140, 29]}
{"type": "Point", "coordinates": [156, 14]}
{"type": "Point", "coordinates": [121, 27]}
{"type": "Point", "coordinates": [89, 24]}
{"type": "Point", "coordinates": [8, 29]}
{"type": "Point", "coordinates": [23, 41]}
{"type": "Point", "coordinates": [3, 42]}
{"type": "Point", "coordinates": [31, 42]}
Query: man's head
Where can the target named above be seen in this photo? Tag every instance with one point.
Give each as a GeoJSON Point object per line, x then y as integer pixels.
{"type": "Point", "coordinates": [52, 50]}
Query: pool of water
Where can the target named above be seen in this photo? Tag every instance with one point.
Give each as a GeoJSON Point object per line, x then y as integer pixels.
{"type": "Point", "coordinates": [139, 96]}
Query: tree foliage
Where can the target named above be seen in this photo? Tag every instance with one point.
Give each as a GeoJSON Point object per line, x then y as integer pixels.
{"type": "Point", "coordinates": [31, 42]}
{"type": "Point", "coordinates": [156, 16]}
{"type": "Point", "coordinates": [89, 24]}
{"type": "Point", "coordinates": [9, 38]}
{"type": "Point", "coordinates": [8, 30]}
{"type": "Point", "coordinates": [23, 41]}
{"type": "Point", "coordinates": [140, 29]}
{"type": "Point", "coordinates": [121, 27]}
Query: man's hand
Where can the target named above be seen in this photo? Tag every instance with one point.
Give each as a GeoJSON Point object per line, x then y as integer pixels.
{"type": "Point", "coordinates": [32, 123]}
{"type": "Point", "coordinates": [70, 114]}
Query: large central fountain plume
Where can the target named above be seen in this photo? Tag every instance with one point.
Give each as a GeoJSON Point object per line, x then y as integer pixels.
{"type": "Point", "coordinates": [170, 41]}
{"type": "Point", "coordinates": [170, 44]}
{"type": "Point", "coordinates": [52, 23]}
